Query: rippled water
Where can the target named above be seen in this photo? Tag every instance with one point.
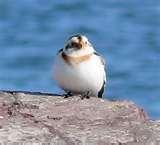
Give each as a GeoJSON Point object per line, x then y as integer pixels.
{"type": "Point", "coordinates": [127, 33]}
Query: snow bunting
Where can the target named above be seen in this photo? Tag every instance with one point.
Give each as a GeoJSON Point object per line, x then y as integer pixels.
{"type": "Point", "coordinates": [79, 69]}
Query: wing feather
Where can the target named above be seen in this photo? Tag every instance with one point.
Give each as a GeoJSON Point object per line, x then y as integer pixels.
{"type": "Point", "coordinates": [100, 93]}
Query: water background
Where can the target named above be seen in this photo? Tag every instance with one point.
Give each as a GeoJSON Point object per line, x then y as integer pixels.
{"type": "Point", "coordinates": [127, 33]}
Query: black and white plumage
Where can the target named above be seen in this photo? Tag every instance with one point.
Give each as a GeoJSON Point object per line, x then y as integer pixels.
{"type": "Point", "coordinates": [78, 68]}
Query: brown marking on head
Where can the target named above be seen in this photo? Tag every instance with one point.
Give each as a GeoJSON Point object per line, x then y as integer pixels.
{"type": "Point", "coordinates": [76, 45]}
{"type": "Point", "coordinates": [75, 60]}
{"type": "Point", "coordinates": [82, 42]}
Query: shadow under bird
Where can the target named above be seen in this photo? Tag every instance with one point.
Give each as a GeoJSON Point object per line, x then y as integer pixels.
{"type": "Point", "coordinates": [79, 69]}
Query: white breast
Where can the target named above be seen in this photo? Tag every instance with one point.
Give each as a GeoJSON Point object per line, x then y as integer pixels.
{"type": "Point", "coordinates": [88, 75]}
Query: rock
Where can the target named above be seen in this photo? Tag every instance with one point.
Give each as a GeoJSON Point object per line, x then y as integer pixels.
{"type": "Point", "coordinates": [37, 118]}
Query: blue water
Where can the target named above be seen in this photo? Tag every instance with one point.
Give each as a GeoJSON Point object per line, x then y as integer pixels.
{"type": "Point", "coordinates": [127, 33]}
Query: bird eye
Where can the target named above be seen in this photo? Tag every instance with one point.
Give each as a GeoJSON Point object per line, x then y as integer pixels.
{"type": "Point", "coordinates": [86, 42]}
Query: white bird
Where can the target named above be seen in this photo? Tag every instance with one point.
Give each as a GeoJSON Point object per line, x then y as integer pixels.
{"type": "Point", "coordinates": [79, 69]}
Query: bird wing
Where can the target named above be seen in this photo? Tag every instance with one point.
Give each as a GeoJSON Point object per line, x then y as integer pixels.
{"type": "Point", "coordinates": [104, 65]}
{"type": "Point", "coordinates": [102, 59]}
{"type": "Point", "coordinates": [60, 51]}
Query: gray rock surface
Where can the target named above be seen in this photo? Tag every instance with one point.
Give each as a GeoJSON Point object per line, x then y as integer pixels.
{"type": "Point", "coordinates": [36, 118]}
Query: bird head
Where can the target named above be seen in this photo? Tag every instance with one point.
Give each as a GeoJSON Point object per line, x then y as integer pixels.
{"type": "Point", "coordinates": [78, 45]}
